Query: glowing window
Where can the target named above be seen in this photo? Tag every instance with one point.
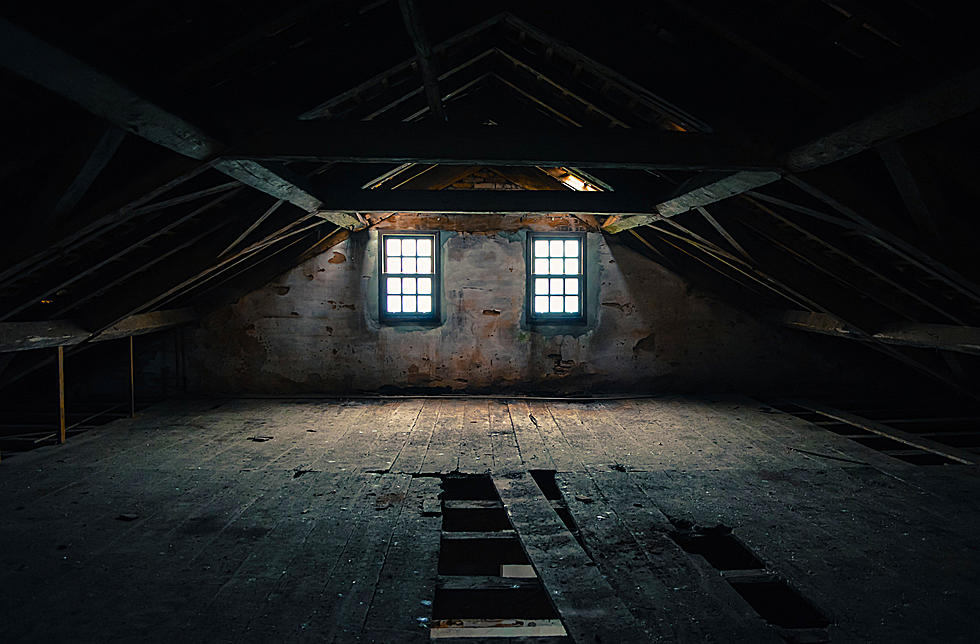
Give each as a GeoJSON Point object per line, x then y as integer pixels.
{"type": "Point", "coordinates": [556, 277]}
{"type": "Point", "coordinates": [409, 276]}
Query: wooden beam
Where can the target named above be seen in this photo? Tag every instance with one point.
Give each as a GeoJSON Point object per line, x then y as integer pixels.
{"type": "Point", "coordinates": [891, 242]}
{"type": "Point", "coordinates": [23, 336]}
{"type": "Point", "coordinates": [924, 444]}
{"type": "Point", "coordinates": [61, 395]}
{"type": "Point", "coordinates": [281, 184]}
{"type": "Point", "coordinates": [382, 142]}
{"type": "Point", "coordinates": [423, 54]}
{"type": "Point", "coordinates": [485, 201]}
{"type": "Point", "coordinates": [30, 57]}
{"type": "Point", "coordinates": [947, 101]}
{"type": "Point", "coordinates": [908, 188]}
{"type": "Point", "coordinates": [132, 381]}
{"type": "Point", "coordinates": [946, 337]}
{"type": "Point", "coordinates": [104, 150]}
{"type": "Point", "coordinates": [704, 191]}
{"type": "Point", "coordinates": [37, 61]}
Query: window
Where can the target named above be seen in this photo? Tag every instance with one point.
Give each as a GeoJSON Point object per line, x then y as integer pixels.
{"type": "Point", "coordinates": [556, 277]}
{"type": "Point", "coordinates": [409, 276]}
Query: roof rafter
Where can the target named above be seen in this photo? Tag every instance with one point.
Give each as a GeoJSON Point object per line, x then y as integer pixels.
{"type": "Point", "coordinates": [69, 77]}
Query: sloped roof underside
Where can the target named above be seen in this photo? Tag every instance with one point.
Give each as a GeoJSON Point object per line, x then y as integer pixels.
{"type": "Point", "coordinates": [814, 159]}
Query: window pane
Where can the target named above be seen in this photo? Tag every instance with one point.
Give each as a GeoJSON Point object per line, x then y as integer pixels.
{"type": "Point", "coordinates": [571, 248]}
{"type": "Point", "coordinates": [571, 267]}
{"type": "Point", "coordinates": [571, 286]}
{"type": "Point", "coordinates": [394, 285]}
{"type": "Point", "coordinates": [541, 267]}
{"type": "Point", "coordinates": [425, 304]}
{"type": "Point", "coordinates": [408, 285]}
{"type": "Point", "coordinates": [393, 246]}
{"type": "Point", "coordinates": [571, 304]}
{"type": "Point", "coordinates": [394, 304]}
{"type": "Point", "coordinates": [424, 265]}
{"type": "Point", "coordinates": [556, 286]}
{"type": "Point", "coordinates": [408, 264]}
{"type": "Point", "coordinates": [555, 267]}
{"type": "Point", "coordinates": [540, 303]}
{"type": "Point", "coordinates": [408, 247]}
{"type": "Point", "coordinates": [555, 248]}
{"type": "Point", "coordinates": [540, 286]}
{"type": "Point", "coordinates": [540, 248]}
{"type": "Point", "coordinates": [424, 246]}
{"type": "Point", "coordinates": [394, 265]}
{"type": "Point", "coordinates": [425, 285]}
{"type": "Point", "coordinates": [408, 304]}
{"type": "Point", "coordinates": [556, 303]}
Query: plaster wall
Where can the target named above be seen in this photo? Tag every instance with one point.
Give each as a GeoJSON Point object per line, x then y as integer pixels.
{"type": "Point", "coordinates": [316, 328]}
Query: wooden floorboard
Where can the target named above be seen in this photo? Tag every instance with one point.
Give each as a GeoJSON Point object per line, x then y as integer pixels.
{"type": "Point", "coordinates": [589, 607]}
{"type": "Point", "coordinates": [177, 524]}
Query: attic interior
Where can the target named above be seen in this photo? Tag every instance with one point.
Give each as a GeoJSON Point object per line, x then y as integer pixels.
{"type": "Point", "coordinates": [400, 320]}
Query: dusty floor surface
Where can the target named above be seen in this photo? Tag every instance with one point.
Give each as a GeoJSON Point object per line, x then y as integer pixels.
{"type": "Point", "coordinates": [271, 520]}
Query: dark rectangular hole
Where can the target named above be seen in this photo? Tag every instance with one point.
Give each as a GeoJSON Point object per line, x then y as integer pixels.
{"type": "Point", "coordinates": [479, 556]}
{"type": "Point", "coordinates": [881, 443]}
{"type": "Point", "coordinates": [524, 603]}
{"type": "Point", "coordinates": [925, 458]}
{"type": "Point", "coordinates": [959, 440]}
{"type": "Point", "coordinates": [475, 520]}
{"type": "Point", "coordinates": [722, 550]}
{"type": "Point", "coordinates": [546, 481]}
{"type": "Point", "coordinates": [468, 488]}
{"type": "Point", "coordinates": [779, 604]}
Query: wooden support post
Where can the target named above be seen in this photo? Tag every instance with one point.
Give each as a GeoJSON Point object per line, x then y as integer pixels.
{"type": "Point", "coordinates": [61, 393]}
{"type": "Point", "coordinates": [132, 382]}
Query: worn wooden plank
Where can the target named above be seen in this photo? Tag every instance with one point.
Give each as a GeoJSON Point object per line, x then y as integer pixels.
{"type": "Point", "coordinates": [344, 601]}
{"type": "Point", "coordinates": [393, 436]}
{"type": "Point", "coordinates": [534, 453]}
{"type": "Point", "coordinates": [355, 532]}
{"type": "Point", "coordinates": [399, 609]}
{"type": "Point", "coordinates": [475, 449]}
{"type": "Point", "coordinates": [628, 537]}
{"type": "Point", "coordinates": [413, 455]}
{"type": "Point", "coordinates": [587, 604]}
{"type": "Point", "coordinates": [562, 451]}
{"type": "Point", "coordinates": [947, 337]}
{"type": "Point", "coordinates": [503, 439]}
{"type": "Point", "coordinates": [918, 442]}
{"type": "Point", "coordinates": [578, 430]}
{"type": "Point", "coordinates": [442, 455]}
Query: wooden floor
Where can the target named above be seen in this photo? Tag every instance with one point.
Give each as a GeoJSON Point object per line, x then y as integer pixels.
{"type": "Point", "coordinates": [237, 520]}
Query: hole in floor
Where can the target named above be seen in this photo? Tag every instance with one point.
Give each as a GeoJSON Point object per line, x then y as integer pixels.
{"type": "Point", "coordinates": [719, 546]}
{"type": "Point", "coordinates": [488, 586]}
{"type": "Point", "coordinates": [779, 604]}
{"type": "Point", "coordinates": [521, 603]}
{"type": "Point", "coordinates": [924, 458]}
{"type": "Point", "coordinates": [475, 488]}
{"type": "Point", "coordinates": [546, 481]}
{"type": "Point", "coordinates": [475, 520]}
